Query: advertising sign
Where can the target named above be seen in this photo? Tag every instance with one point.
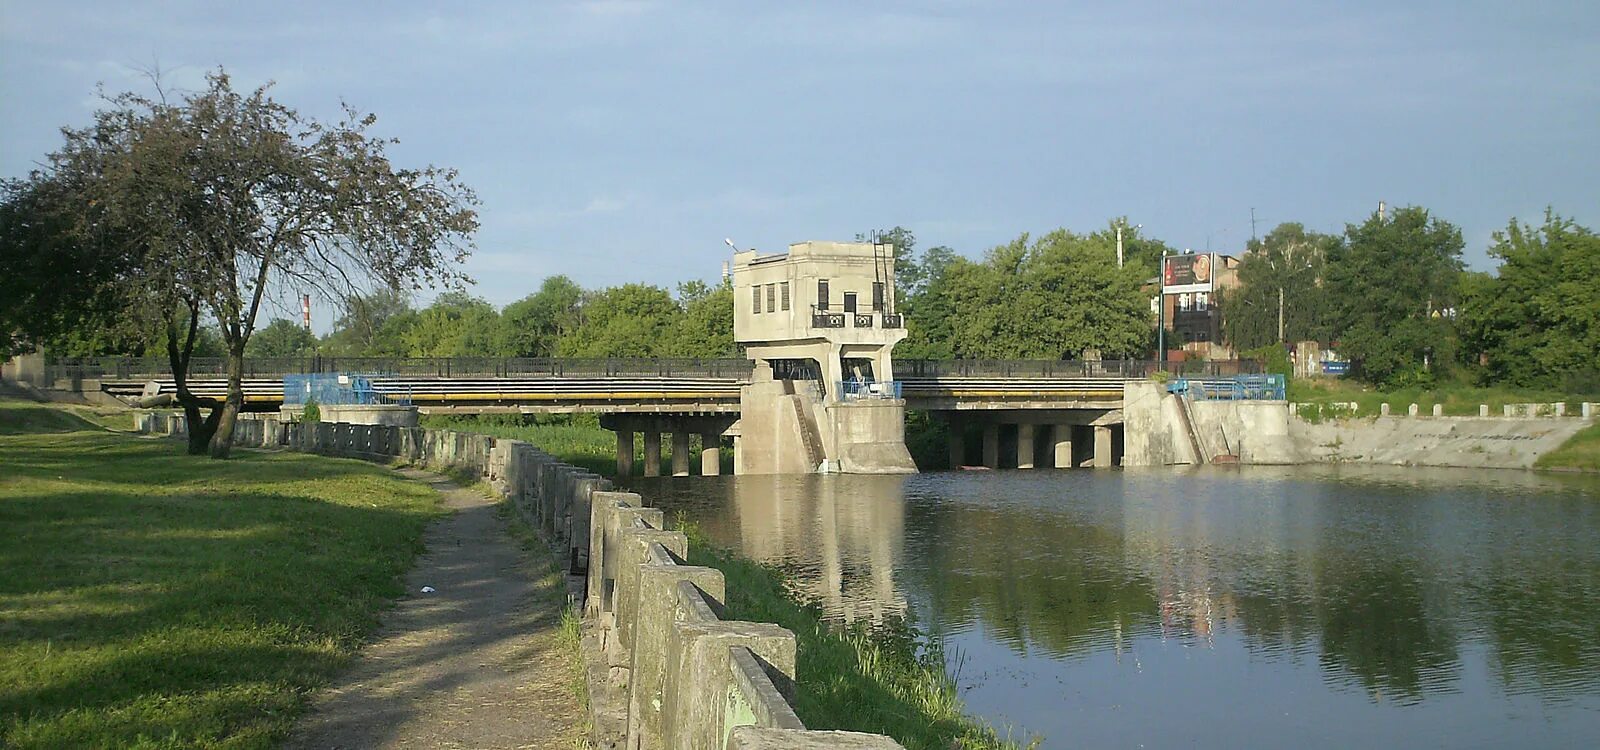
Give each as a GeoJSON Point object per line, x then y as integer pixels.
{"type": "Point", "coordinates": [1188, 273]}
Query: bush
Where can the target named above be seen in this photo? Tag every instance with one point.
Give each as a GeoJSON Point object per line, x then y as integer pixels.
{"type": "Point", "coordinates": [312, 413]}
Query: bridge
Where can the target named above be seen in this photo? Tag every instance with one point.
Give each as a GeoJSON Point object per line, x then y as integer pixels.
{"type": "Point", "coordinates": [1044, 412]}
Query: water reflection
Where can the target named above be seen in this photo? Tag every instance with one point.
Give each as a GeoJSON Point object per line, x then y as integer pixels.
{"type": "Point", "coordinates": [1335, 604]}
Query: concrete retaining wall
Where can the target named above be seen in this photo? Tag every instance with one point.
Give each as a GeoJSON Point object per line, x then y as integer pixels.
{"type": "Point", "coordinates": [672, 674]}
{"type": "Point", "coordinates": [669, 671]}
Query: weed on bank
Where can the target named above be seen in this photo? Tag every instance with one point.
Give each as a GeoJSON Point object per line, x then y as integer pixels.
{"type": "Point", "coordinates": [886, 680]}
{"type": "Point", "coordinates": [159, 599]}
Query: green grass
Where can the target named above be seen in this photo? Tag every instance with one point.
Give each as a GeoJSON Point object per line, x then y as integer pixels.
{"type": "Point", "coordinates": [1458, 400]}
{"type": "Point", "coordinates": [20, 417]}
{"type": "Point", "coordinates": [577, 439]}
{"type": "Point", "coordinates": [1580, 452]}
{"type": "Point", "coordinates": [891, 680]}
{"type": "Point", "coordinates": [155, 599]}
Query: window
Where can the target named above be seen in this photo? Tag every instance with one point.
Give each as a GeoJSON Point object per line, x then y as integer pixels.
{"type": "Point", "coordinates": [877, 296]}
{"type": "Point", "coordinates": [755, 298]}
{"type": "Point", "coordinates": [1200, 300]}
{"type": "Point", "coordinates": [1183, 302]}
{"type": "Point", "coordinates": [849, 302]}
{"type": "Point", "coordinates": [772, 297]}
{"type": "Point", "coordinates": [822, 294]}
{"type": "Point", "coordinates": [783, 295]}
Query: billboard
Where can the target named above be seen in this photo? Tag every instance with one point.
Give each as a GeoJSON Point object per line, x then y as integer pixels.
{"type": "Point", "coordinates": [1188, 273]}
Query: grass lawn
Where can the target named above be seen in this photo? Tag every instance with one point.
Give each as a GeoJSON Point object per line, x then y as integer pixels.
{"type": "Point", "coordinates": [1581, 452]}
{"type": "Point", "coordinates": [1458, 400]}
{"type": "Point", "coordinates": [150, 598]}
{"type": "Point", "coordinates": [577, 439]}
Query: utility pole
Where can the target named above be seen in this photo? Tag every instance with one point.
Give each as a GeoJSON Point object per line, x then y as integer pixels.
{"type": "Point", "coordinates": [1280, 312]}
{"type": "Point", "coordinates": [1161, 310]}
{"type": "Point", "coordinates": [1119, 244]}
{"type": "Point", "coordinates": [1252, 223]}
{"type": "Point", "coordinates": [1382, 214]}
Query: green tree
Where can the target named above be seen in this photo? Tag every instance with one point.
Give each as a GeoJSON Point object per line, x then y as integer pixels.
{"type": "Point", "coordinates": [705, 328]}
{"type": "Point", "coordinates": [281, 338]}
{"type": "Point", "coordinates": [371, 325]}
{"type": "Point", "coordinates": [1538, 322]}
{"type": "Point", "coordinates": [455, 325]}
{"type": "Point", "coordinates": [533, 326]}
{"type": "Point", "coordinates": [632, 320]}
{"type": "Point", "coordinates": [1391, 286]}
{"type": "Point", "coordinates": [1280, 279]}
{"type": "Point", "coordinates": [224, 196]}
{"type": "Point", "coordinates": [1051, 299]}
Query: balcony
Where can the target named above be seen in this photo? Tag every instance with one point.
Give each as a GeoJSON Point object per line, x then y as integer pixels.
{"type": "Point", "coordinates": [863, 320]}
{"type": "Point", "coordinates": [894, 320]}
{"type": "Point", "coordinates": [827, 320]}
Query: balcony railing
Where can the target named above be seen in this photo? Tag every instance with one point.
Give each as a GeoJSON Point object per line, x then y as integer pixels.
{"type": "Point", "coordinates": [863, 320]}
{"type": "Point", "coordinates": [894, 320]}
{"type": "Point", "coordinates": [827, 320]}
{"type": "Point", "coordinates": [852, 390]}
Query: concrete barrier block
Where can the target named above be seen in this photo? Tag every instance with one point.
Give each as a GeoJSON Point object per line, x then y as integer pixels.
{"type": "Point", "coordinates": [1588, 410]}
{"type": "Point", "coordinates": [758, 696]}
{"type": "Point", "coordinates": [602, 547]}
{"type": "Point", "coordinates": [633, 552]}
{"type": "Point", "coordinates": [768, 738]}
{"type": "Point", "coordinates": [1383, 410]}
{"type": "Point", "coordinates": [1560, 408]}
{"type": "Point", "coordinates": [1438, 410]}
{"type": "Point", "coordinates": [659, 580]}
{"type": "Point", "coordinates": [699, 676]}
{"type": "Point", "coordinates": [1412, 410]}
{"type": "Point", "coordinates": [1483, 410]}
{"type": "Point", "coordinates": [1507, 409]}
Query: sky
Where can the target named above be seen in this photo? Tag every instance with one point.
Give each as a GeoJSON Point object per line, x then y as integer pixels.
{"type": "Point", "coordinates": [619, 141]}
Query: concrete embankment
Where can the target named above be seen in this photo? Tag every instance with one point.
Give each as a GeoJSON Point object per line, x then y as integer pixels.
{"type": "Point", "coordinates": [666, 671]}
{"type": "Point", "coordinates": [1164, 429]}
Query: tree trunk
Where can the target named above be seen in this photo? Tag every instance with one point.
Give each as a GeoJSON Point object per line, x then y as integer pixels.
{"type": "Point", "coordinates": [222, 441]}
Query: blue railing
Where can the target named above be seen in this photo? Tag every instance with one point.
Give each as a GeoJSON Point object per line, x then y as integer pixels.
{"type": "Point", "coordinates": [860, 389]}
{"type": "Point", "coordinates": [336, 388]}
{"type": "Point", "coordinates": [1237, 388]}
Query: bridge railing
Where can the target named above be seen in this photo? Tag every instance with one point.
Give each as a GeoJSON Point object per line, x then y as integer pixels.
{"type": "Point", "coordinates": [1069, 368]}
{"type": "Point", "coordinates": [132, 368]}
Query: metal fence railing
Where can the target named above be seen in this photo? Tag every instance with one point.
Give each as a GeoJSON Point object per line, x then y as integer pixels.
{"type": "Point", "coordinates": [1237, 388]}
{"type": "Point", "coordinates": [130, 368]}
{"type": "Point", "coordinates": [1071, 368]}
{"type": "Point", "coordinates": [866, 389]}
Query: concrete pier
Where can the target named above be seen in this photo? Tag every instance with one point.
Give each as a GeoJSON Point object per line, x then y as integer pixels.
{"type": "Point", "coordinates": [1025, 446]}
{"type": "Point", "coordinates": [624, 453]}
{"type": "Point", "coordinates": [652, 453]}
{"type": "Point", "coordinates": [1102, 447]}
{"type": "Point", "coordinates": [680, 453]}
{"type": "Point", "coordinates": [1062, 440]}
{"type": "Point", "coordinates": [710, 454]}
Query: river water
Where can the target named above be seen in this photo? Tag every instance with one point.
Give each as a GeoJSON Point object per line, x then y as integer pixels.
{"type": "Point", "coordinates": [1212, 608]}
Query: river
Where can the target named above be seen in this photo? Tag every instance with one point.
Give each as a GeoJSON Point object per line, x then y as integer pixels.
{"type": "Point", "coordinates": [1212, 608]}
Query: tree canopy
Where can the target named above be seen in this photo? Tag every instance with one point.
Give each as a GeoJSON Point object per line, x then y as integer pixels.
{"type": "Point", "coordinates": [1285, 266]}
{"type": "Point", "coordinates": [1537, 323]}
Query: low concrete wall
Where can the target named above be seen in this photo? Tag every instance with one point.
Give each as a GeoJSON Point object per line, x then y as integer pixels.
{"type": "Point", "coordinates": [667, 671]}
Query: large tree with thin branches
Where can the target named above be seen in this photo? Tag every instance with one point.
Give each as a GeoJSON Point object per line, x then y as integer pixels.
{"type": "Point", "coordinates": [229, 201]}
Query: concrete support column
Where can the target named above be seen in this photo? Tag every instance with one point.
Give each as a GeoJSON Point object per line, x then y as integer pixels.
{"type": "Point", "coordinates": [956, 444]}
{"type": "Point", "coordinates": [652, 453]}
{"type": "Point", "coordinates": [738, 453]}
{"type": "Point", "coordinates": [710, 454]}
{"type": "Point", "coordinates": [1102, 447]}
{"type": "Point", "coordinates": [624, 452]}
{"type": "Point", "coordinates": [1024, 446]}
{"type": "Point", "coordinates": [991, 445]}
{"type": "Point", "coordinates": [680, 453]}
{"type": "Point", "coordinates": [1063, 446]}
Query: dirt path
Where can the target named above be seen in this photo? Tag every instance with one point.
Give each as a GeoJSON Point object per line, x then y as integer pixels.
{"type": "Point", "coordinates": [477, 663]}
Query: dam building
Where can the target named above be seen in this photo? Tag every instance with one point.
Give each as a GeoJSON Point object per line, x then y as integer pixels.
{"type": "Point", "coordinates": [819, 321]}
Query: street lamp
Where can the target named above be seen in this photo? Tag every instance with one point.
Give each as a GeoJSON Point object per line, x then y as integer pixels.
{"type": "Point", "coordinates": [1161, 310]}
{"type": "Point", "coordinates": [1281, 281]}
{"type": "Point", "coordinates": [1119, 241]}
